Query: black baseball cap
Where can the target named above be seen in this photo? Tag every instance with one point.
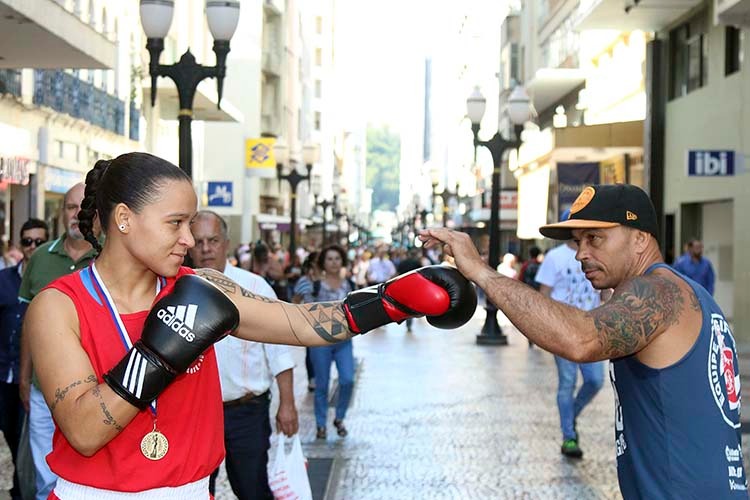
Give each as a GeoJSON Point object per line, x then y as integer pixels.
{"type": "Point", "coordinates": [604, 206]}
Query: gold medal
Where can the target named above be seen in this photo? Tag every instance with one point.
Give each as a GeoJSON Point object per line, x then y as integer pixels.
{"type": "Point", "coordinates": [154, 445]}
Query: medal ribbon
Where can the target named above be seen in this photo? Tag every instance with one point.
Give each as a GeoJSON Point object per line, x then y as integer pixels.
{"type": "Point", "coordinates": [116, 319]}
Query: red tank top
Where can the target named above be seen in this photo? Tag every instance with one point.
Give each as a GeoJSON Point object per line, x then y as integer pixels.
{"type": "Point", "coordinates": [189, 411]}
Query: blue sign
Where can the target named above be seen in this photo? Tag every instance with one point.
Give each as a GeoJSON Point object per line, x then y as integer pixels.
{"type": "Point", "coordinates": [711, 163]}
{"type": "Point", "coordinates": [219, 194]}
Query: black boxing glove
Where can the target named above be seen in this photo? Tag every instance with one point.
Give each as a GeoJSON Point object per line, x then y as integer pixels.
{"type": "Point", "coordinates": [439, 292]}
{"type": "Point", "coordinates": [179, 328]}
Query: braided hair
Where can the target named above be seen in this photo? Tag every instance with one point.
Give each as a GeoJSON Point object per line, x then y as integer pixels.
{"type": "Point", "coordinates": [132, 178]}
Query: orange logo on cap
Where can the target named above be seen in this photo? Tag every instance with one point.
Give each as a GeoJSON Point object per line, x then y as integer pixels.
{"type": "Point", "coordinates": [630, 215]}
{"type": "Point", "coordinates": [583, 199]}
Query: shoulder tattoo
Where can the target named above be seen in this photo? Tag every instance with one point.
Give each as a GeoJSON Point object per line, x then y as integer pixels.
{"type": "Point", "coordinates": [641, 307]}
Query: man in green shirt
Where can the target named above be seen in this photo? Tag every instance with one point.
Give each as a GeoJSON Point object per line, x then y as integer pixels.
{"type": "Point", "coordinates": [66, 254]}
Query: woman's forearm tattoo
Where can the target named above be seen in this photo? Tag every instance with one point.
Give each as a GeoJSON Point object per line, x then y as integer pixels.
{"type": "Point", "coordinates": [328, 320]}
{"type": "Point", "coordinates": [108, 418]}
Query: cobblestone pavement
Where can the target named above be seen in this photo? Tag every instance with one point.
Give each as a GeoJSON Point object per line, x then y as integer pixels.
{"type": "Point", "coordinates": [435, 416]}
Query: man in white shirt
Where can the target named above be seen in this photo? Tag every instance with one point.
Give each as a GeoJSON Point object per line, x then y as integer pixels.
{"type": "Point", "coordinates": [561, 278]}
{"type": "Point", "coordinates": [246, 370]}
{"type": "Point", "coordinates": [381, 268]}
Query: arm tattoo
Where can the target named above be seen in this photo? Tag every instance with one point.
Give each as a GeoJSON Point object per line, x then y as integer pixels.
{"type": "Point", "coordinates": [229, 286]}
{"type": "Point", "coordinates": [643, 306]}
{"type": "Point", "coordinates": [328, 320]}
{"type": "Point", "coordinates": [61, 393]}
{"type": "Point", "coordinates": [108, 418]}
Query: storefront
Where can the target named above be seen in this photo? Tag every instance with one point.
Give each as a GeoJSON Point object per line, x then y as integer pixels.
{"type": "Point", "coordinates": [553, 166]}
{"type": "Point", "coordinates": [14, 193]}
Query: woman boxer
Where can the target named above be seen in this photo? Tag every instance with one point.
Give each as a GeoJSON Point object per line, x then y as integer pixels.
{"type": "Point", "coordinates": [123, 349]}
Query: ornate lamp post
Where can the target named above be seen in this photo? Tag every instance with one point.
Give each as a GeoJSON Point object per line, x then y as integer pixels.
{"type": "Point", "coordinates": [156, 18]}
{"type": "Point", "coordinates": [519, 111]}
{"type": "Point", "coordinates": [324, 204]}
{"type": "Point", "coordinates": [309, 156]}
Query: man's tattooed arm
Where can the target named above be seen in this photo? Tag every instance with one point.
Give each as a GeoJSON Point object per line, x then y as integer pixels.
{"type": "Point", "coordinates": [639, 309]}
{"type": "Point", "coordinates": [322, 320]}
{"type": "Point", "coordinates": [60, 393]}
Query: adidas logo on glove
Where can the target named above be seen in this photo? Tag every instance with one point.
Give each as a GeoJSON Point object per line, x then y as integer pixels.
{"type": "Point", "coordinates": [180, 319]}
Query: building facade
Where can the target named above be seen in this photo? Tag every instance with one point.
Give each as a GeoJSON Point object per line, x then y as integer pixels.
{"type": "Point", "coordinates": [69, 95]}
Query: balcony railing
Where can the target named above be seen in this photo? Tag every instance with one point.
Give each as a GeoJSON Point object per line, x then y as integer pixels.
{"type": "Point", "coordinates": [135, 122]}
{"type": "Point", "coordinates": [69, 94]}
{"type": "Point", "coordinates": [10, 82]}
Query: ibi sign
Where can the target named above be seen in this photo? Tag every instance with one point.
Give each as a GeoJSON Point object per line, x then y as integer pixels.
{"type": "Point", "coordinates": [711, 163]}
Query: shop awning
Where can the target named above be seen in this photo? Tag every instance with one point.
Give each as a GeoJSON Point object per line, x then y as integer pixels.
{"type": "Point", "coordinates": [43, 34]}
{"type": "Point", "coordinates": [550, 85]}
{"type": "Point", "coordinates": [629, 15]}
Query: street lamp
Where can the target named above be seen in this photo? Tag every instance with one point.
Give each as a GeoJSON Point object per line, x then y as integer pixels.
{"type": "Point", "coordinates": [519, 112]}
{"type": "Point", "coordinates": [309, 156]}
{"type": "Point", "coordinates": [324, 204]}
{"type": "Point", "coordinates": [156, 17]}
{"type": "Point", "coordinates": [446, 196]}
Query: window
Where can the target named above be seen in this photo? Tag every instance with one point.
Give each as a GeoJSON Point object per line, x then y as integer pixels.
{"type": "Point", "coordinates": [317, 120]}
{"type": "Point", "coordinates": [732, 50]}
{"type": "Point", "coordinates": [319, 25]}
{"type": "Point", "coordinates": [688, 50]}
{"type": "Point", "coordinates": [318, 57]}
{"type": "Point", "coordinates": [318, 89]}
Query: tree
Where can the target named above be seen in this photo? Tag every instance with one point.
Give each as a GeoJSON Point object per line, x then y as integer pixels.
{"type": "Point", "coordinates": [383, 157]}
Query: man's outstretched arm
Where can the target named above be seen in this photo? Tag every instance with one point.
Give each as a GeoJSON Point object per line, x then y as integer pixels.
{"type": "Point", "coordinates": [640, 309]}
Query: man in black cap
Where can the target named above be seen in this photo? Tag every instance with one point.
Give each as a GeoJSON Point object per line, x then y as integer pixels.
{"type": "Point", "coordinates": [674, 366]}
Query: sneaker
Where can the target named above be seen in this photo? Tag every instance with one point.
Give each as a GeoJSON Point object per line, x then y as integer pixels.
{"type": "Point", "coordinates": [311, 386]}
{"type": "Point", "coordinates": [340, 429]}
{"type": "Point", "coordinates": [571, 449]}
{"type": "Point", "coordinates": [320, 433]}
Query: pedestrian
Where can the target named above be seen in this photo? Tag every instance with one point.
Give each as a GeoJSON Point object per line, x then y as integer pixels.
{"type": "Point", "coordinates": [411, 262]}
{"type": "Point", "coordinates": [292, 273]}
{"type": "Point", "coordinates": [380, 268]}
{"type": "Point", "coordinates": [507, 266]}
{"type": "Point", "coordinates": [12, 413]}
{"type": "Point", "coordinates": [695, 266]}
{"type": "Point", "coordinates": [53, 259]}
{"type": "Point", "coordinates": [304, 286]}
{"type": "Point", "coordinates": [135, 394]}
{"type": "Point", "coordinates": [673, 361]}
{"type": "Point", "coordinates": [331, 287]}
{"type": "Point", "coordinates": [561, 278]}
{"type": "Point", "coordinates": [359, 268]}
{"type": "Point", "coordinates": [528, 270]}
{"type": "Point", "coordinates": [247, 371]}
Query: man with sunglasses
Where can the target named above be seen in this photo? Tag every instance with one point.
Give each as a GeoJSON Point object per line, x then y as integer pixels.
{"type": "Point", "coordinates": [33, 234]}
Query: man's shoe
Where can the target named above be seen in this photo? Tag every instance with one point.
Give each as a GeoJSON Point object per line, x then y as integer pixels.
{"type": "Point", "coordinates": [321, 433]}
{"type": "Point", "coordinates": [340, 429]}
{"type": "Point", "coordinates": [570, 449]}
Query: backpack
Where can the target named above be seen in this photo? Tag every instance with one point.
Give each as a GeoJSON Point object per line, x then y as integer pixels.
{"type": "Point", "coordinates": [529, 275]}
{"type": "Point", "coordinates": [316, 287]}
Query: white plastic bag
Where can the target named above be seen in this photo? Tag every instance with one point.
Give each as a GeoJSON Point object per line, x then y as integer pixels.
{"type": "Point", "coordinates": [287, 476]}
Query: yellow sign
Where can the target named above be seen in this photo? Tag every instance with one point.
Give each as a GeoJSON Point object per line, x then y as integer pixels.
{"type": "Point", "coordinates": [612, 170]}
{"type": "Point", "coordinates": [259, 153]}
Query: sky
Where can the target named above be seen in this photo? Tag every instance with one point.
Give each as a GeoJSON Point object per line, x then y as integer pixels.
{"type": "Point", "coordinates": [383, 45]}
